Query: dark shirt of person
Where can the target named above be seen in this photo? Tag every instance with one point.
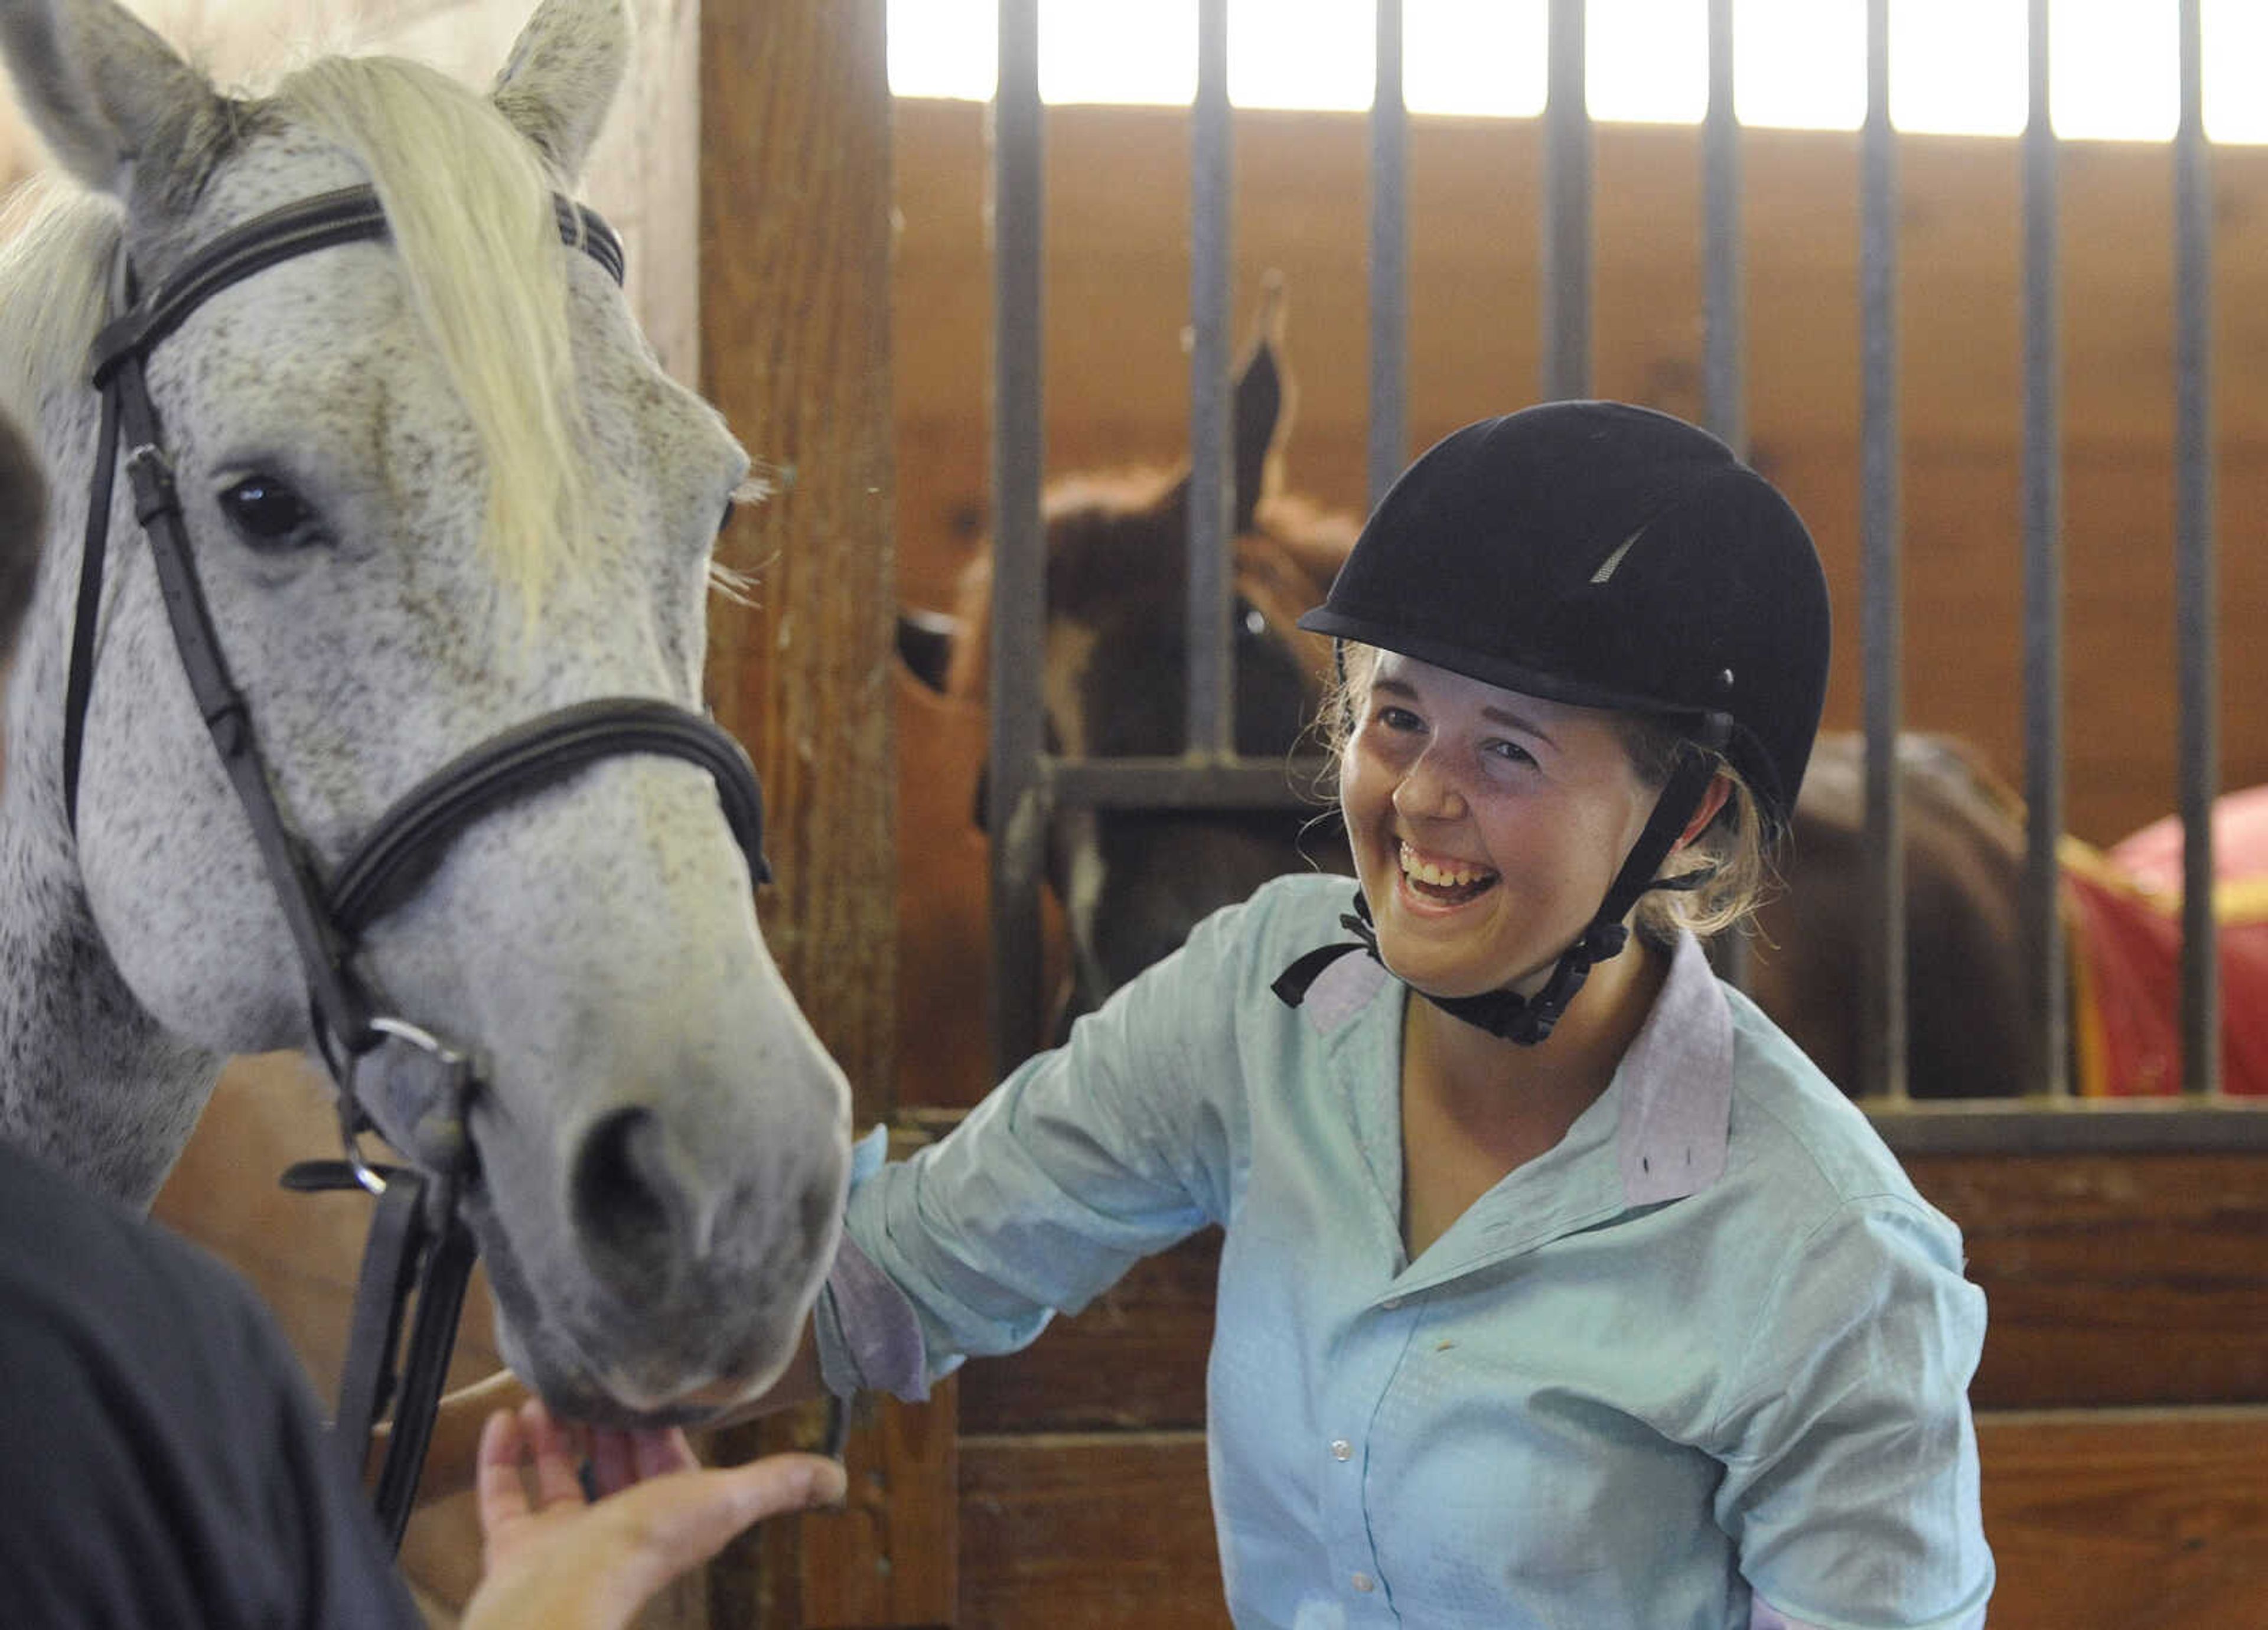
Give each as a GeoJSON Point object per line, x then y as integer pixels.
{"type": "Point", "coordinates": [162, 1460]}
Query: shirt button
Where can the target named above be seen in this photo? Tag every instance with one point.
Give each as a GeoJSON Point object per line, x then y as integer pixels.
{"type": "Point", "coordinates": [1363, 1583]}
{"type": "Point", "coordinates": [1341, 1449]}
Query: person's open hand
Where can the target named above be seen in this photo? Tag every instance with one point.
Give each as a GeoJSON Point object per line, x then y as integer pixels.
{"type": "Point", "coordinates": [553, 1558]}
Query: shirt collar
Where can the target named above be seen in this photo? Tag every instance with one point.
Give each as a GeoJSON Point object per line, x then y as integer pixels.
{"type": "Point", "coordinates": [1677, 1085]}
{"type": "Point", "coordinates": [1674, 1082]}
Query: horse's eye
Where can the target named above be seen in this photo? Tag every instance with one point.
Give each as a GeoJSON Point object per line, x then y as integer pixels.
{"type": "Point", "coordinates": [266, 512]}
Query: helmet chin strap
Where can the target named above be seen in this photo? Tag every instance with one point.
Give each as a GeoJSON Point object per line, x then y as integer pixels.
{"type": "Point", "coordinates": [1526, 1021]}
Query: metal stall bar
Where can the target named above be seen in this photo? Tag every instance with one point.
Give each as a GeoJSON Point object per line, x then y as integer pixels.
{"type": "Point", "coordinates": [1567, 210]}
{"type": "Point", "coordinates": [2195, 589]}
{"type": "Point", "coordinates": [1882, 1051]}
{"type": "Point", "coordinates": [1389, 260]}
{"type": "Point", "coordinates": [1723, 308]}
{"type": "Point", "coordinates": [1724, 315]}
{"type": "Point", "coordinates": [1212, 705]}
{"type": "Point", "coordinates": [1014, 812]}
{"type": "Point", "coordinates": [2042, 505]}
{"type": "Point", "coordinates": [2203, 1120]}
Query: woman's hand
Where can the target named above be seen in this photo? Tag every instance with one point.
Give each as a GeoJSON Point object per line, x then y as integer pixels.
{"type": "Point", "coordinates": [557, 1560]}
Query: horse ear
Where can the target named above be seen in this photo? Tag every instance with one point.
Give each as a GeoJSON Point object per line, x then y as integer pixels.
{"type": "Point", "coordinates": [100, 88]}
{"type": "Point", "coordinates": [1259, 405]}
{"type": "Point", "coordinates": [562, 76]}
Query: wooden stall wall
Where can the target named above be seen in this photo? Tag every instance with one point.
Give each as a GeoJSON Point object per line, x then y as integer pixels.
{"type": "Point", "coordinates": [2124, 1394]}
{"type": "Point", "coordinates": [795, 226]}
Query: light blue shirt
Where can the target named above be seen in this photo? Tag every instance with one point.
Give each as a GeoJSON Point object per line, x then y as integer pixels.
{"type": "Point", "coordinates": [1704, 1366]}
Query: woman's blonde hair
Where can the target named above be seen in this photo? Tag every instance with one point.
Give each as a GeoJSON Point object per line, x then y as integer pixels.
{"type": "Point", "coordinates": [1731, 848]}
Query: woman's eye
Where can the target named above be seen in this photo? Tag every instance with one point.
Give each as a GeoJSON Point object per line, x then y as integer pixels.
{"type": "Point", "coordinates": [266, 512]}
{"type": "Point", "coordinates": [1400, 718]}
{"type": "Point", "coordinates": [1510, 752]}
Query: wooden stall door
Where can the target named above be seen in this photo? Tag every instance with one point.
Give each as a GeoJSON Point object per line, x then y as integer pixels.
{"type": "Point", "coordinates": [794, 254]}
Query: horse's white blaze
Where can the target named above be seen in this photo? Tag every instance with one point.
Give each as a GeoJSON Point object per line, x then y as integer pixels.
{"type": "Point", "coordinates": [665, 1144]}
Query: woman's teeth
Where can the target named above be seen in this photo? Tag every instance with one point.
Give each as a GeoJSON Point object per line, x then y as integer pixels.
{"type": "Point", "coordinates": [1454, 877]}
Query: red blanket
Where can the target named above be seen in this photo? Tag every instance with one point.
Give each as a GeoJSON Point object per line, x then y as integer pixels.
{"type": "Point", "coordinates": [2122, 910]}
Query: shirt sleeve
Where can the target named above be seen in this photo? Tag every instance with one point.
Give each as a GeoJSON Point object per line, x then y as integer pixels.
{"type": "Point", "coordinates": [1108, 1150]}
{"type": "Point", "coordinates": [1851, 1487]}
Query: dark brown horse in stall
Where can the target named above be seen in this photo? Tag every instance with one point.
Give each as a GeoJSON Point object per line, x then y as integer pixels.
{"type": "Point", "coordinates": [1130, 885]}
{"type": "Point", "coordinates": [1126, 885]}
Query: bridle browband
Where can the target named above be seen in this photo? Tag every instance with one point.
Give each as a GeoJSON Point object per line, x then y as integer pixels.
{"type": "Point", "coordinates": [419, 1242]}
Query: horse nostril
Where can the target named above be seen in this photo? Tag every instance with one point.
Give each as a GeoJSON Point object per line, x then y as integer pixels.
{"type": "Point", "coordinates": [632, 1202]}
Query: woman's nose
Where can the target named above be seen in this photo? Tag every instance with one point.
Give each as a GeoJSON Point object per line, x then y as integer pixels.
{"type": "Point", "coordinates": [1429, 791]}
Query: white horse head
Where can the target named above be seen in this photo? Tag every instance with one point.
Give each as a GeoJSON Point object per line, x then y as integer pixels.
{"type": "Point", "coordinates": [435, 485]}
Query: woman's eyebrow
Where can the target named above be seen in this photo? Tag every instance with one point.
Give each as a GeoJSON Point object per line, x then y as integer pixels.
{"type": "Point", "coordinates": [1520, 722]}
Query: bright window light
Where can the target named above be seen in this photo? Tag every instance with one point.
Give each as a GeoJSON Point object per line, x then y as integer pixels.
{"type": "Point", "coordinates": [2116, 69]}
{"type": "Point", "coordinates": [1958, 67]}
{"type": "Point", "coordinates": [1800, 64]}
{"type": "Point", "coordinates": [2235, 63]}
{"type": "Point", "coordinates": [1145, 53]}
{"type": "Point", "coordinates": [1648, 60]}
{"type": "Point", "coordinates": [1473, 57]}
{"type": "Point", "coordinates": [943, 47]}
{"type": "Point", "coordinates": [1302, 53]}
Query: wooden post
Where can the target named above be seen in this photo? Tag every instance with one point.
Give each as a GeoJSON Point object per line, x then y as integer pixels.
{"type": "Point", "coordinates": [795, 351]}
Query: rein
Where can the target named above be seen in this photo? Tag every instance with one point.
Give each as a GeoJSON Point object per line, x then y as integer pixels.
{"type": "Point", "coordinates": [419, 1245]}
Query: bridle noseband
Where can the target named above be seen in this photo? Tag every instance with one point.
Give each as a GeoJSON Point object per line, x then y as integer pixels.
{"type": "Point", "coordinates": [418, 1241]}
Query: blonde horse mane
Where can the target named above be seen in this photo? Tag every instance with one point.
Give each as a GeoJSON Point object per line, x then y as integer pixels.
{"type": "Point", "coordinates": [469, 200]}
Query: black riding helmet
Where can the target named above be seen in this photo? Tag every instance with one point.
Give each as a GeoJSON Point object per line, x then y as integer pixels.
{"type": "Point", "coordinates": [1610, 557]}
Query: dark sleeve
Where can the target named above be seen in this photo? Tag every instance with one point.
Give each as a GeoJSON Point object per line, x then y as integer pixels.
{"type": "Point", "coordinates": [162, 1462]}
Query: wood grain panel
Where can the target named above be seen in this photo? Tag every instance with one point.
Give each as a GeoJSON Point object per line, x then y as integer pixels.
{"type": "Point", "coordinates": [795, 245]}
{"type": "Point", "coordinates": [1101, 1532]}
{"type": "Point", "coordinates": [2098, 1521]}
{"type": "Point", "coordinates": [795, 351]}
{"type": "Point", "coordinates": [2118, 1519]}
{"type": "Point", "coordinates": [2114, 1279]}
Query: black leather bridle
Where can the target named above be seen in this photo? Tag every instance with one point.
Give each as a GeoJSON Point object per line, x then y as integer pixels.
{"type": "Point", "coordinates": [419, 1242]}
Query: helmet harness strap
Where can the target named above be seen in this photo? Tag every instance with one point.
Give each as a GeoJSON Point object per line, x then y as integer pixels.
{"type": "Point", "coordinates": [1526, 1021]}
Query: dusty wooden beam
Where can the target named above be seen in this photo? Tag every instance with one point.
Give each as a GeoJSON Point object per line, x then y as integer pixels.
{"type": "Point", "coordinates": [794, 250]}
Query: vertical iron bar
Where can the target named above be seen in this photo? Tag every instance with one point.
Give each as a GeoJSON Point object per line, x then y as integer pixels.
{"type": "Point", "coordinates": [2043, 921]}
{"type": "Point", "coordinates": [1390, 260]}
{"type": "Point", "coordinates": [1567, 210]}
{"type": "Point", "coordinates": [1724, 313]}
{"type": "Point", "coordinates": [2195, 589]}
{"type": "Point", "coordinates": [1883, 1035]}
{"type": "Point", "coordinates": [1012, 811]}
{"type": "Point", "coordinates": [1210, 705]}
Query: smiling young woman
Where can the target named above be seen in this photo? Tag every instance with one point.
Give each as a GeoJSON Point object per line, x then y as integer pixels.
{"type": "Point", "coordinates": [1557, 1287]}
